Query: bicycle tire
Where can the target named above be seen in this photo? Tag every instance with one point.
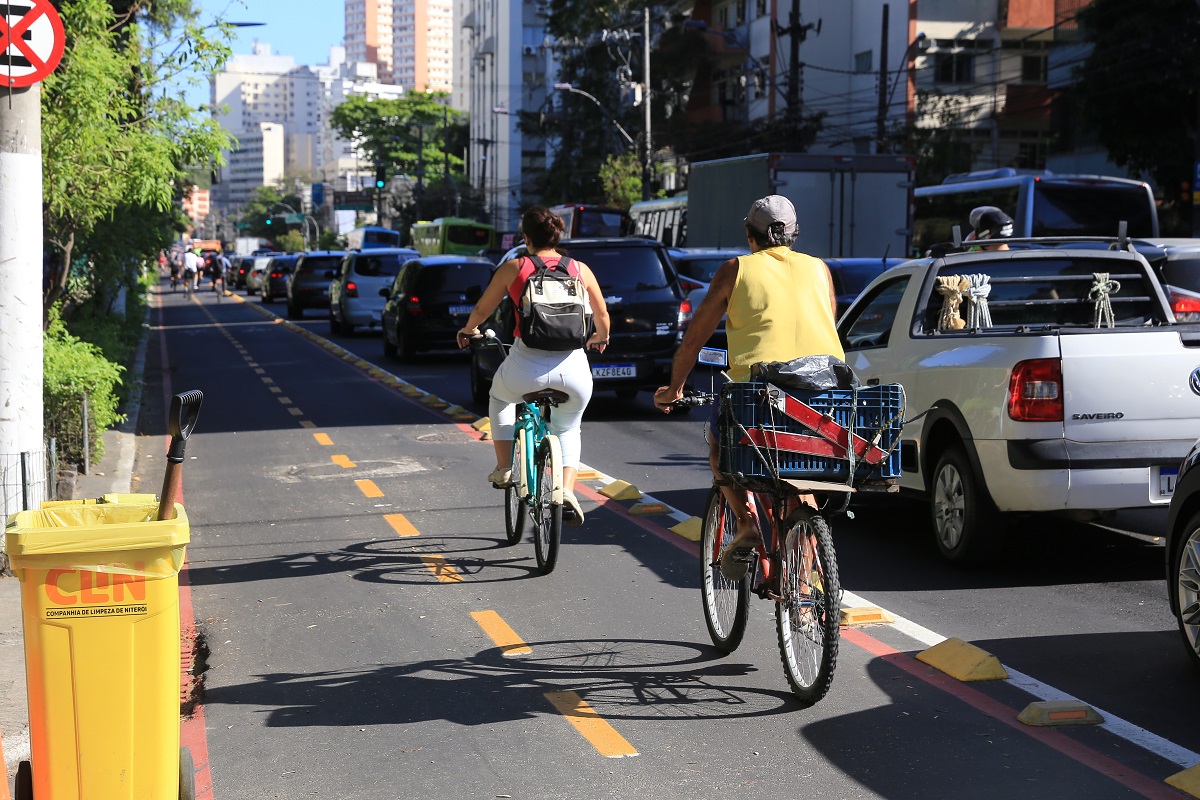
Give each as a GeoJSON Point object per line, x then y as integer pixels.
{"type": "Point", "coordinates": [548, 533]}
{"type": "Point", "coordinates": [808, 615]}
{"type": "Point", "coordinates": [514, 495]}
{"type": "Point", "coordinates": [726, 603]}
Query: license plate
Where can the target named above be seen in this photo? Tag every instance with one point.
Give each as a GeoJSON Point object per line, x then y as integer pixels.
{"type": "Point", "coordinates": [460, 309]}
{"type": "Point", "coordinates": [614, 371]}
{"type": "Point", "coordinates": [1167, 476]}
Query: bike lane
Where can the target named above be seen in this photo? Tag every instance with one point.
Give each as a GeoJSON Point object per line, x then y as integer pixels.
{"type": "Point", "coordinates": [582, 616]}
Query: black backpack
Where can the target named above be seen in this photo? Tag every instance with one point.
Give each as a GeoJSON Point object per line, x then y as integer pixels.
{"type": "Point", "coordinates": [554, 311]}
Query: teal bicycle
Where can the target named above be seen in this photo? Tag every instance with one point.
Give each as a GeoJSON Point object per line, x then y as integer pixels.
{"type": "Point", "coordinates": [535, 490]}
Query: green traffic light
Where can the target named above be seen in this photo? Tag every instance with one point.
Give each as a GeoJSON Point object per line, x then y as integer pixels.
{"type": "Point", "coordinates": [268, 220]}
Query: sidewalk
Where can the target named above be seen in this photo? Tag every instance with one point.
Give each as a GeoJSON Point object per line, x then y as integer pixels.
{"type": "Point", "coordinates": [114, 473]}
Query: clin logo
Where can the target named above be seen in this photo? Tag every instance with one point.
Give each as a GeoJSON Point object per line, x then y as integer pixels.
{"type": "Point", "coordinates": [1194, 381]}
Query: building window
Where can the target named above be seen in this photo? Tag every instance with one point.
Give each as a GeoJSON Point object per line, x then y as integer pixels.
{"type": "Point", "coordinates": [1033, 69]}
{"type": "Point", "coordinates": [863, 62]}
{"type": "Point", "coordinates": [954, 68]}
{"type": "Point", "coordinates": [760, 8]}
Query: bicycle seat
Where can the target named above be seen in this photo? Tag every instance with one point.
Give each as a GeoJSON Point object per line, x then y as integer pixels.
{"type": "Point", "coordinates": [555, 396]}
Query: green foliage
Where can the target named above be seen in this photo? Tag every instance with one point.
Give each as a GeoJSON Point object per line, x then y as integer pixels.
{"type": "Point", "coordinates": [416, 133]}
{"type": "Point", "coordinates": [290, 242]}
{"type": "Point", "coordinates": [1138, 88]}
{"type": "Point", "coordinates": [118, 135]}
{"type": "Point", "coordinates": [267, 202]}
{"type": "Point", "coordinates": [621, 180]}
{"type": "Point", "coordinates": [941, 148]}
{"type": "Point", "coordinates": [74, 367]}
{"type": "Point", "coordinates": [330, 241]}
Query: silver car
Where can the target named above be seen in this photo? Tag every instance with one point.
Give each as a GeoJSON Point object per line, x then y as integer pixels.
{"type": "Point", "coordinates": [258, 274]}
{"type": "Point", "coordinates": [354, 295]}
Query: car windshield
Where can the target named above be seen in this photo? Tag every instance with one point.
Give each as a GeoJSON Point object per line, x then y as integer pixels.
{"type": "Point", "coordinates": [319, 264]}
{"type": "Point", "coordinates": [702, 269]}
{"type": "Point", "coordinates": [452, 278]}
{"type": "Point", "coordinates": [624, 269]}
{"type": "Point", "coordinates": [469, 235]}
{"type": "Point", "coordinates": [377, 265]}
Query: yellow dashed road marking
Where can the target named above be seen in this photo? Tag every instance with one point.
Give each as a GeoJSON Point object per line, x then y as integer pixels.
{"type": "Point", "coordinates": [342, 461]}
{"type": "Point", "coordinates": [268, 380]}
{"type": "Point", "coordinates": [295, 412]}
{"type": "Point", "coordinates": [401, 525]}
{"type": "Point", "coordinates": [498, 630]}
{"type": "Point", "coordinates": [274, 389]}
{"type": "Point", "coordinates": [304, 423]}
{"type": "Point", "coordinates": [323, 438]}
{"type": "Point", "coordinates": [368, 488]}
{"type": "Point", "coordinates": [260, 371]}
{"type": "Point", "coordinates": [287, 401]}
{"type": "Point", "coordinates": [442, 570]}
{"type": "Point", "coordinates": [600, 734]}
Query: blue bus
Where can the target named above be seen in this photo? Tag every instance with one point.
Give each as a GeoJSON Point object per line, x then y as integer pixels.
{"type": "Point", "coordinates": [370, 236]}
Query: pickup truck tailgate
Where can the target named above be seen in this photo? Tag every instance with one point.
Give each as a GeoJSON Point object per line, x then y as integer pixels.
{"type": "Point", "coordinates": [1130, 386]}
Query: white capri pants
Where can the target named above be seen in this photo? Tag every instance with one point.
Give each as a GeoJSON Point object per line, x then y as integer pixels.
{"type": "Point", "coordinates": [528, 370]}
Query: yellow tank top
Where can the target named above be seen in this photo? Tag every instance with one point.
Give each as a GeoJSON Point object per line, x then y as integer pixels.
{"type": "Point", "coordinates": [779, 310]}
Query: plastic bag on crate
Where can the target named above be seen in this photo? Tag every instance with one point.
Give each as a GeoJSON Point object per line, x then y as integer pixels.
{"type": "Point", "coordinates": [806, 374]}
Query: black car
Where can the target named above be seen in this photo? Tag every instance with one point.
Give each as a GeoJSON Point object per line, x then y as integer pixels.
{"type": "Point", "coordinates": [279, 272]}
{"type": "Point", "coordinates": [1177, 264]}
{"type": "Point", "coordinates": [309, 286]}
{"type": "Point", "coordinates": [1183, 547]}
{"type": "Point", "coordinates": [241, 268]}
{"type": "Point", "coordinates": [429, 302]}
{"type": "Point", "coordinates": [645, 307]}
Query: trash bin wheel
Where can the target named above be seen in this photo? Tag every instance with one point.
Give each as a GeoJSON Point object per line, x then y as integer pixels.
{"type": "Point", "coordinates": [187, 774]}
{"type": "Point", "coordinates": [23, 788]}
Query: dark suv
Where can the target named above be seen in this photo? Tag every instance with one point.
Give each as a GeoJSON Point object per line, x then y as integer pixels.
{"type": "Point", "coordinates": [430, 301]}
{"type": "Point", "coordinates": [644, 301]}
{"type": "Point", "coordinates": [309, 286]}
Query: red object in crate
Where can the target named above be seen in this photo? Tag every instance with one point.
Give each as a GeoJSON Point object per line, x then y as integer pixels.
{"type": "Point", "coordinates": [832, 440]}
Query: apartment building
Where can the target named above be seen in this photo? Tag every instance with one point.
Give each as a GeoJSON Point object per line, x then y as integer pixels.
{"type": "Point", "coordinates": [423, 44]}
{"type": "Point", "coordinates": [369, 35]}
{"type": "Point", "coordinates": [258, 160]}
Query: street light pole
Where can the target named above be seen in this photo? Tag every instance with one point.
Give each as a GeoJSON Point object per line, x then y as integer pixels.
{"type": "Point", "coordinates": [566, 87]}
{"type": "Point", "coordinates": [647, 166]}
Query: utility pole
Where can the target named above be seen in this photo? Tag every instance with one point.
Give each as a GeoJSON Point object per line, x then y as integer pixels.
{"type": "Point", "coordinates": [647, 166]}
{"type": "Point", "coordinates": [883, 82]}
{"type": "Point", "coordinates": [420, 170]}
{"type": "Point", "coordinates": [21, 424]}
{"type": "Point", "coordinates": [793, 91]}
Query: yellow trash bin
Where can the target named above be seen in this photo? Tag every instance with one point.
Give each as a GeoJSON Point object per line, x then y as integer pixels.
{"type": "Point", "coordinates": [100, 612]}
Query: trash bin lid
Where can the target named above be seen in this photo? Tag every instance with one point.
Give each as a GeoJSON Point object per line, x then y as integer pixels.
{"type": "Point", "coordinates": [93, 528]}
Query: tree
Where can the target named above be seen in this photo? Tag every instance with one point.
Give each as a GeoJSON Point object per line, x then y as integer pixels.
{"type": "Point", "coordinates": [290, 242]}
{"type": "Point", "coordinates": [1137, 89]}
{"type": "Point", "coordinates": [117, 137]}
{"type": "Point", "coordinates": [621, 180]}
{"type": "Point", "coordinates": [267, 203]}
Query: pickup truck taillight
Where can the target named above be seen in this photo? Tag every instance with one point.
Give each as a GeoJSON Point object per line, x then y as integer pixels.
{"type": "Point", "coordinates": [1035, 391]}
{"type": "Point", "coordinates": [1185, 306]}
{"type": "Point", "coordinates": [351, 289]}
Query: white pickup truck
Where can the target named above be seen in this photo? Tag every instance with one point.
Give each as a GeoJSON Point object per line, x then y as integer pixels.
{"type": "Point", "coordinates": [1056, 377]}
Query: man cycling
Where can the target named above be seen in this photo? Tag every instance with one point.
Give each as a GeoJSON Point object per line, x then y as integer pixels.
{"type": "Point", "coordinates": [780, 305]}
{"type": "Point", "coordinates": [191, 270]}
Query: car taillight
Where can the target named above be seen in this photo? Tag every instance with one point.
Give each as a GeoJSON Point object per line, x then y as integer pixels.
{"type": "Point", "coordinates": [1185, 306]}
{"type": "Point", "coordinates": [414, 306]}
{"type": "Point", "coordinates": [276, 274]}
{"type": "Point", "coordinates": [1035, 391]}
{"type": "Point", "coordinates": [351, 289]}
{"type": "Point", "coordinates": [685, 314]}
{"type": "Point", "coordinates": [689, 286]}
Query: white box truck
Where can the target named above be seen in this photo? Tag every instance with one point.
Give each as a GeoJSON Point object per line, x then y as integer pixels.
{"type": "Point", "coordinates": [848, 206]}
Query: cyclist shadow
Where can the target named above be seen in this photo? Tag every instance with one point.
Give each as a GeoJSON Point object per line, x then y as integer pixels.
{"type": "Point", "coordinates": [620, 679]}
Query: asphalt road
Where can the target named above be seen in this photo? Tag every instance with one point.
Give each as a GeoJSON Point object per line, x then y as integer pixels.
{"type": "Point", "coordinates": [353, 638]}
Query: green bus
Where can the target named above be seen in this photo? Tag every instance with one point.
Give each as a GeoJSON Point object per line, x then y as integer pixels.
{"type": "Point", "coordinates": [452, 236]}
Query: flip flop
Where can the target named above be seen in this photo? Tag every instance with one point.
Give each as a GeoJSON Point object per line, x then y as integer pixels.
{"type": "Point", "coordinates": [736, 558]}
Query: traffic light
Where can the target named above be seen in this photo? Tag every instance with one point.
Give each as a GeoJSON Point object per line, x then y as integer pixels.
{"type": "Point", "coordinates": [268, 220]}
{"type": "Point", "coordinates": [380, 176]}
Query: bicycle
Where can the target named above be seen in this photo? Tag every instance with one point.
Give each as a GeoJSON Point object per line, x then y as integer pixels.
{"type": "Point", "coordinates": [794, 563]}
{"type": "Point", "coordinates": [535, 488]}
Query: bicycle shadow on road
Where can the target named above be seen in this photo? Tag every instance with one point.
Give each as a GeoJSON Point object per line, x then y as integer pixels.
{"type": "Point", "coordinates": [627, 679]}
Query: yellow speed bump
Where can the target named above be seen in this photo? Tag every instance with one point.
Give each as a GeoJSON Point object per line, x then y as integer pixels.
{"type": "Point", "coordinates": [1187, 781]}
{"type": "Point", "coordinates": [411, 391]}
{"type": "Point", "coordinates": [865, 615]}
{"type": "Point", "coordinates": [433, 401]}
{"type": "Point", "coordinates": [963, 661]}
{"type": "Point", "coordinates": [587, 475]}
{"type": "Point", "coordinates": [1059, 712]}
{"type": "Point", "coordinates": [690, 529]}
{"type": "Point", "coordinates": [642, 509]}
{"type": "Point", "coordinates": [482, 424]}
{"type": "Point", "coordinates": [621, 490]}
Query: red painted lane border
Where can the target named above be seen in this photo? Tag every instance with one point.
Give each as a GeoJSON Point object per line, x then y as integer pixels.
{"type": "Point", "coordinates": [1109, 768]}
{"type": "Point", "coordinates": [192, 732]}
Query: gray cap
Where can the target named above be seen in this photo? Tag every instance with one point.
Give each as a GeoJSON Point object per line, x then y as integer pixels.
{"type": "Point", "coordinates": [771, 210]}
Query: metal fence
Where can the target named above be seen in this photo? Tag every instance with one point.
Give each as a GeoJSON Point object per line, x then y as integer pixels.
{"type": "Point", "coordinates": [26, 479]}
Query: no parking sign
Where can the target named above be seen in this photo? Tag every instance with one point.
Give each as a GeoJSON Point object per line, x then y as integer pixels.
{"type": "Point", "coordinates": [31, 41]}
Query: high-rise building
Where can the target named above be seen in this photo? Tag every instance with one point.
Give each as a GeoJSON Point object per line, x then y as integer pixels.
{"type": "Point", "coordinates": [369, 35]}
{"type": "Point", "coordinates": [423, 44]}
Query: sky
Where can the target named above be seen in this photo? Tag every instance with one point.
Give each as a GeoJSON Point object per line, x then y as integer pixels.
{"type": "Point", "coordinates": [303, 30]}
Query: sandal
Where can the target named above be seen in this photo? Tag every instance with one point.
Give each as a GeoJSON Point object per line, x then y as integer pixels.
{"type": "Point", "coordinates": [501, 478]}
{"type": "Point", "coordinates": [736, 558]}
{"type": "Point", "coordinates": [572, 512]}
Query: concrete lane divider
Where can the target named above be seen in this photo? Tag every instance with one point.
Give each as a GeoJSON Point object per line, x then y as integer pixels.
{"type": "Point", "coordinates": [963, 661]}
{"type": "Point", "coordinates": [690, 529]}
{"type": "Point", "coordinates": [1187, 781]}
{"type": "Point", "coordinates": [865, 615]}
{"type": "Point", "coordinates": [621, 490]}
{"type": "Point", "coordinates": [1059, 712]}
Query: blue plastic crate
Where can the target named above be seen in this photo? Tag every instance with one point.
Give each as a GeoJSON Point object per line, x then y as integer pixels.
{"type": "Point", "coordinates": [879, 407]}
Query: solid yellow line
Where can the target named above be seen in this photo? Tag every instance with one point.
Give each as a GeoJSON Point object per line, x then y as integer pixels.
{"type": "Point", "coordinates": [368, 488]}
{"type": "Point", "coordinates": [323, 438]}
{"type": "Point", "coordinates": [600, 734]}
{"type": "Point", "coordinates": [442, 570]}
{"type": "Point", "coordinates": [401, 525]}
{"type": "Point", "coordinates": [342, 461]}
{"type": "Point", "coordinates": [505, 637]}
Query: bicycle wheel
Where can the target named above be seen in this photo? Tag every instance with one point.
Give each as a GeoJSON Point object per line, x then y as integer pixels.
{"type": "Point", "coordinates": [807, 616]}
{"type": "Point", "coordinates": [514, 495]}
{"type": "Point", "coordinates": [548, 504]}
{"type": "Point", "coordinates": [726, 602]}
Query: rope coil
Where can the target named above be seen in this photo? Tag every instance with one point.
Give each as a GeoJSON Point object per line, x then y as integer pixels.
{"type": "Point", "coordinates": [978, 313]}
{"type": "Point", "coordinates": [1100, 295]}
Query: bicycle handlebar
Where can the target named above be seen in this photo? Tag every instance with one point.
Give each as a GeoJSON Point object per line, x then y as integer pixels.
{"type": "Point", "coordinates": [695, 399]}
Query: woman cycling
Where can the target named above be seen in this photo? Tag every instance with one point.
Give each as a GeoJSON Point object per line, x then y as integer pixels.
{"type": "Point", "coordinates": [528, 369]}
